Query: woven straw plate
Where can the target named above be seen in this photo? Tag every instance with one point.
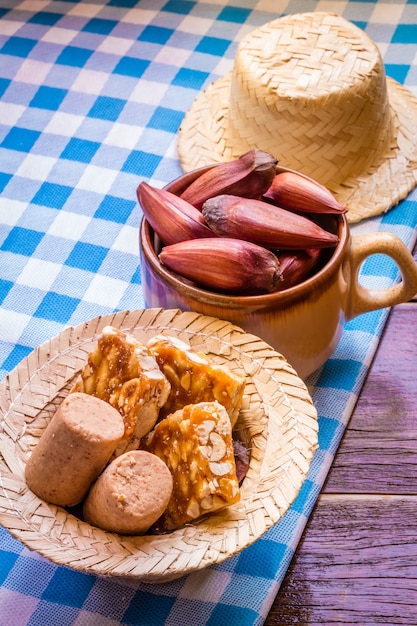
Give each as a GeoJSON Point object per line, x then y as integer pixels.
{"type": "Point", "coordinates": [277, 420]}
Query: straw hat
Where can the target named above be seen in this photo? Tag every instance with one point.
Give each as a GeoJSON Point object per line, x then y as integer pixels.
{"type": "Point", "coordinates": [311, 89]}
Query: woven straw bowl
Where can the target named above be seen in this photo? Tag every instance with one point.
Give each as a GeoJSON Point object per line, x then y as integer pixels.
{"type": "Point", "coordinates": [277, 421]}
{"type": "Point", "coordinates": [305, 322]}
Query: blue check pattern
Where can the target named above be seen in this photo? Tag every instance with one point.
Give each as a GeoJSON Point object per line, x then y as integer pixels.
{"type": "Point", "coordinates": [91, 98]}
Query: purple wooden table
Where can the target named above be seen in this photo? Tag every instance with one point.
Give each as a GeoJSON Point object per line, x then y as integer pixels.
{"type": "Point", "coordinates": [357, 560]}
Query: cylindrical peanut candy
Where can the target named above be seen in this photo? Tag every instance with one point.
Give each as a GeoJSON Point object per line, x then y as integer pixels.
{"type": "Point", "coordinates": [130, 495]}
{"type": "Point", "coordinates": [74, 449]}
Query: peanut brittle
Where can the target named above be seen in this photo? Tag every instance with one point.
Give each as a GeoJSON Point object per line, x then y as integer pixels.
{"type": "Point", "coordinates": [196, 444]}
{"type": "Point", "coordinates": [194, 377]}
{"type": "Point", "coordinates": [121, 371]}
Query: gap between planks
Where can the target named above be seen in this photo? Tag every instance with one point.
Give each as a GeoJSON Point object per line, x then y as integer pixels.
{"type": "Point", "coordinates": [365, 497]}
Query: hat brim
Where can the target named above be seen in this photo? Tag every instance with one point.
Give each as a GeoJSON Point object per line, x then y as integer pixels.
{"type": "Point", "coordinates": [203, 140]}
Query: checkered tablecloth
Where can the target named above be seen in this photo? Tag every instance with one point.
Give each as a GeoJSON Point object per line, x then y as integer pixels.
{"type": "Point", "coordinates": [91, 97]}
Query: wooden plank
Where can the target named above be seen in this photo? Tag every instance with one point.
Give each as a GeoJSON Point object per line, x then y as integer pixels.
{"type": "Point", "coordinates": [378, 453]}
{"type": "Point", "coordinates": [356, 564]}
{"type": "Point", "coordinates": [415, 256]}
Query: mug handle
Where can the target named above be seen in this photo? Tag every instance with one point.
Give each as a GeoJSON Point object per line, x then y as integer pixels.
{"type": "Point", "coordinates": [362, 300]}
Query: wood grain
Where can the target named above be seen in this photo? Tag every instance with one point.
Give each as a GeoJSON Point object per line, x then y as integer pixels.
{"type": "Point", "coordinates": [357, 560]}
{"type": "Point", "coordinates": [379, 451]}
{"type": "Point", "coordinates": [356, 564]}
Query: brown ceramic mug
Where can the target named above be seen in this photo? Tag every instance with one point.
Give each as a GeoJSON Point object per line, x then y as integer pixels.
{"type": "Point", "coordinates": [305, 322]}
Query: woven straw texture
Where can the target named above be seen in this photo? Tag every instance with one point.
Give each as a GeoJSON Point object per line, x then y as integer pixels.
{"type": "Point", "coordinates": [277, 420]}
{"type": "Point", "coordinates": [311, 89]}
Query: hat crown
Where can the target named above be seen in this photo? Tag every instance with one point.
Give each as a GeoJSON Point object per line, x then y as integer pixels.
{"type": "Point", "coordinates": [310, 89]}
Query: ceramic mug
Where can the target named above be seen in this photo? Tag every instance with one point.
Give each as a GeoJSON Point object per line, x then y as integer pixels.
{"type": "Point", "coordinates": [304, 323]}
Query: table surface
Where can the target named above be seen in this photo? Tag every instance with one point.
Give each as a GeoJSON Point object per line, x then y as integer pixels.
{"type": "Point", "coordinates": [356, 562]}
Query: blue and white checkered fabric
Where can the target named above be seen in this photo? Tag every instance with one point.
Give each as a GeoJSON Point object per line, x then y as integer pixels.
{"type": "Point", "coordinates": [91, 97]}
